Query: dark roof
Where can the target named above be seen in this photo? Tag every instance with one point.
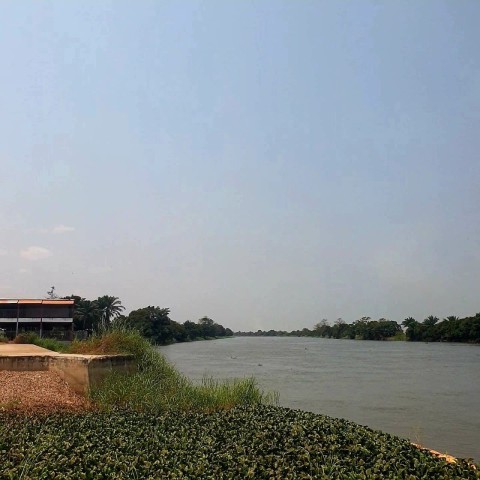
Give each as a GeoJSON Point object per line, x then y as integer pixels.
{"type": "Point", "coordinates": [33, 301]}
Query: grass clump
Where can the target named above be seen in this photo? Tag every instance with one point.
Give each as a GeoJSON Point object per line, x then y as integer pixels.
{"type": "Point", "coordinates": [157, 385]}
{"type": "Point", "coordinates": [34, 339]}
{"type": "Point", "coordinates": [112, 342]}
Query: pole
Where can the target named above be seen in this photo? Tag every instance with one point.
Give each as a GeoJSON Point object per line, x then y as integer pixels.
{"type": "Point", "coordinates": [18, 313]}
{"type": "Point", "coordinates": [41, 320]}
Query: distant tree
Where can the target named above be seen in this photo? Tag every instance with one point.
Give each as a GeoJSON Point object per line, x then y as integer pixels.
{"type": "Point", "coordinates": [87, 315]}
{"type": "Point", "coordinates": [153, 323]}
{"type": "Point", "coordinates": [322, 329]}
{"type": "Point", "coordinates": [340, 329]}
{"type": "Point", "coordinates": [430, 321]}
{"type": "Point", "coordinates": [193, 330]}
{"type": "Point", "coordinates": [411, 328]}
{"type": "Point", "coordinates": [207, 327]}
{"type": "Point", "coordinates": [386, 329]}
{"type": "Point", "coordinates": [360, 328]}
{"type": "Point", "coordinates": [110, 307]}
{"type": "Point", "coordinates": [409, 321]}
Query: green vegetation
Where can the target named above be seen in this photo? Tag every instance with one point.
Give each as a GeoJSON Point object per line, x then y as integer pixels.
{"type": "Point", "coordinates": [116, 340]}
{"type": "Point", "coordinates": [156, 423]}
{"type": "Point", "coordinates": [48, 343]}
{"type": "Point", "coordinates": [260, 442]}
{"type": "Point", "coordinates": [153, 323]}
{"type": "Point", "coordinates": [95, 314]}
{"type": "Point", "coordinates": [157, 386]}
{"type": "Point", "coordinates": [451, 329]}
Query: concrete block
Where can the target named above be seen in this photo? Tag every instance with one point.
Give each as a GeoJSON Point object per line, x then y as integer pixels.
{"type": "Point", "coordinates": [80, 371]}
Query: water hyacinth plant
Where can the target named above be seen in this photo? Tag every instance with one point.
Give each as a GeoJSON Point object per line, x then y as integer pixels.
{"type": "Point", "coordinates": [260, 442]}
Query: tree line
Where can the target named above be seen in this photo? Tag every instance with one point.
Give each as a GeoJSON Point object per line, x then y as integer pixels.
{"type": "Point", "coordinates": [450, 329]}
{"type": "Point", "coordinates": [431, 329]}
{"type": "Point", "coordinates": [153, 323]}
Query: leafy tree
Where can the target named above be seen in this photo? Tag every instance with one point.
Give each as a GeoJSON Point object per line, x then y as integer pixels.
{"type": "Point", "coordinates": [322, 329]}
{"type": "Point", "coordinates": [193, 330]}
{"type": "Point", "coordinates": [207, 327]}
{"type": "Point", "coordinates": [153, 323]}
{"type": "Point", "coordinates": [360, 328]}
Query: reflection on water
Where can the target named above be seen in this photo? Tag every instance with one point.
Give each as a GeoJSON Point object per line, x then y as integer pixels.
{"type": "Point", "coordinates": [429, 393]}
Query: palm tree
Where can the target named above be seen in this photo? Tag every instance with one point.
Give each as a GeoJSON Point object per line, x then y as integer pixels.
{"type": "Point", "coordinates": [430, 320]}
{"type": "Point", "coordinates": [87, 314]}
{"type": "Point", "coordinates": [111, 307]}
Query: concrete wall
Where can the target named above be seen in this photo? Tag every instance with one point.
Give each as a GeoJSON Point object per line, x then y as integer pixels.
{"type": "Point", "coordinates": [25, 363]}
{"type": "Point", "coordinates": [80, 371]}
{"type": "Point", "coordinates": [84, 371]}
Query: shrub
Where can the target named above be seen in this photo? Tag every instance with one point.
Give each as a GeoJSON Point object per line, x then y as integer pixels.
{"type": "Point", "coordinates": [26, 337]}
{"type": "Point", "coordinates": [34, 339]}
{"type": "Point", "coordinates": [111, 342]}
{"type": "Point", "coordinates": [3, 336]}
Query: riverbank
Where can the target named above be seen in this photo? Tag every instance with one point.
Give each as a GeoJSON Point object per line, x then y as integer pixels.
{"type": "Point", "coordinates": [244, 442]}
{"type": "Point", "coordinates": [156, 424]}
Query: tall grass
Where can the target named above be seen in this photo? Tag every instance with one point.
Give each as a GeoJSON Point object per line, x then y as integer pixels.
{"type": "Point", "coordinates": [114, 341]}
{"type": "Point", "coordinates": [157, 385]}
{"type": "Point", "coordinates": [33, 338]}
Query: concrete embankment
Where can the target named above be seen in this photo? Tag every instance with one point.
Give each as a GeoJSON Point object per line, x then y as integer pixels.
{"type": "Point", "coordinates": [80, 371]}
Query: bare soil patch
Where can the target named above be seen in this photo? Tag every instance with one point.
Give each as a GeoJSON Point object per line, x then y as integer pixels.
{"type": "Point", "coordinates": [38, 392]}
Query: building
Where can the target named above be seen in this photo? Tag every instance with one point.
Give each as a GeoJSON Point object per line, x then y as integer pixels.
{"type": "Point", "coordinates": [47, 318]}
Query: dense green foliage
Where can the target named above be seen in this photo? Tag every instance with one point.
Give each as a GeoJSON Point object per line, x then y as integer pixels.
{"type": "Point", "coordinates": [245, 442]}
{"type": "Point", "coordinates": [362, 329]}
{"type": "Point", "coordinates": [155, 323]}
{"type": "Point", "coordinates": [95, 314]}
{"type": "Point", "coordinates": [451, 329]}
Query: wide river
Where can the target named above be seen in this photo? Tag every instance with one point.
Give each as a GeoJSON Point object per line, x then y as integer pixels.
{"type": "Point", "coordinates": [427, 392]}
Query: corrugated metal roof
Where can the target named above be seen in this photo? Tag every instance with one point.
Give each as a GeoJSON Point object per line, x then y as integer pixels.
{"type": "Point", "coordinates": [58, 302]}
{"type": "Point", "coordinates": [35, 301]}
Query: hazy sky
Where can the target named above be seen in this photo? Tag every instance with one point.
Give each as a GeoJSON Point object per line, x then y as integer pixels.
{"type": "Point", "coordinates": [265, 163]}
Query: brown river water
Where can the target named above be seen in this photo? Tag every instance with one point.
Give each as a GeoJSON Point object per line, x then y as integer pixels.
{"type": "Point", "coordinates": [427, 392]}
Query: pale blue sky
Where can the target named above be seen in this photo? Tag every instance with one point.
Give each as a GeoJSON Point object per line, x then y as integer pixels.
{"type": "Point", "coordinates": [267, 163]}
